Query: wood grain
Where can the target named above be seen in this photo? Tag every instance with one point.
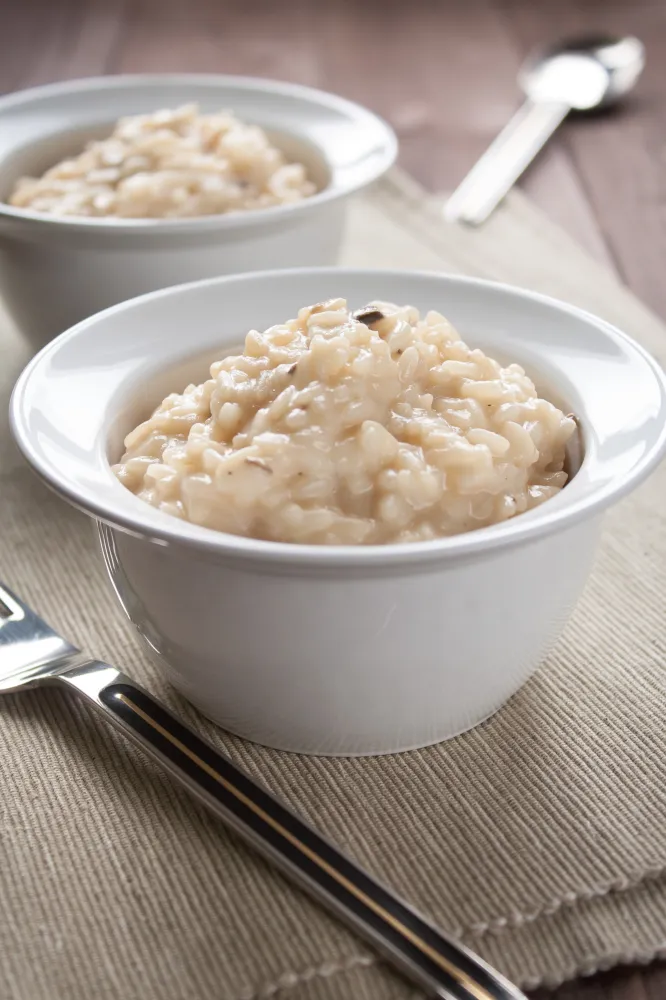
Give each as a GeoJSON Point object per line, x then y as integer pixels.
{"type": "Point", "coordinates": [444, 74]}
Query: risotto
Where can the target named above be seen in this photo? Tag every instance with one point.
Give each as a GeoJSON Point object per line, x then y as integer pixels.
{"type": "Point", "coordinates": [358, 428]}
{"type": "Point", "coordinates": [171, 164]}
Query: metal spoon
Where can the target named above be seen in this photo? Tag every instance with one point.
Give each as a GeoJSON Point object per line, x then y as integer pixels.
{"type": "Point", "coordinates": [579, 75]}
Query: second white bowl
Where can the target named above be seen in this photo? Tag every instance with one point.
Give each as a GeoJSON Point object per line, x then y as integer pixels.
{"type": "Point", "coordinates": [55, 271]}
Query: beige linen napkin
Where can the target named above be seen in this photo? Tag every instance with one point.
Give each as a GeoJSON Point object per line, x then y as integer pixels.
{"type": "Point", "coordinates": [539, 838]}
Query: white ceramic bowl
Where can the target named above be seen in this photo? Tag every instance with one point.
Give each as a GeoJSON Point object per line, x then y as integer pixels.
{"type": "Point", "coordinates": [351, 650]}
{"type": "Point", "coordinates": [56, 271]}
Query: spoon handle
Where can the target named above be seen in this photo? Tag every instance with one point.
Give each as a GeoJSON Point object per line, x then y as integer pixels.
{"type": "Point", "coordinates": [495, 173]}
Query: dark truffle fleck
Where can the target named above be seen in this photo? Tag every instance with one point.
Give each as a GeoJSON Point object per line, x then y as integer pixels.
{"type": "Point", "coordinates": [368, 316]}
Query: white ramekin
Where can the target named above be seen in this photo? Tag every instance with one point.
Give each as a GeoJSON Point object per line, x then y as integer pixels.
{"type": "Point", "coordinates": [350, 650]}
{"type": "Point", "coordinates": [56, 271]}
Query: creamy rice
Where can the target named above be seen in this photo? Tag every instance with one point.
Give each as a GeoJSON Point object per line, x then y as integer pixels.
{"type": "Point", "coordinates": [171, 164]}
{"type": "Point", "coordinates": [351, 428]}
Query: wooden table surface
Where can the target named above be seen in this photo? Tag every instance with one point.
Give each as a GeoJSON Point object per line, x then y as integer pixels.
{"type": "Point", "coordinates": [443, 73]}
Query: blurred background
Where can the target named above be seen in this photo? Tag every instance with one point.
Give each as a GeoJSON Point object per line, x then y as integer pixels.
{"type": "Point", "coordinates": [443, 72]}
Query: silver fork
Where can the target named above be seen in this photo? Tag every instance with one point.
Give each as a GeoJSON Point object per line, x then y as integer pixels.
{"type": "Point", "coordinates": [32, 654]}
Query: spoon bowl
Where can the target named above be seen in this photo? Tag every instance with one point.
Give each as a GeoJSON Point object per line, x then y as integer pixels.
{"type": "Point", "coordinates": [585, 73]}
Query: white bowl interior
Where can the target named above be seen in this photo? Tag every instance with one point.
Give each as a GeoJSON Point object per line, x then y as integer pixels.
{"type": "Point", "coordinates": [76, 400]}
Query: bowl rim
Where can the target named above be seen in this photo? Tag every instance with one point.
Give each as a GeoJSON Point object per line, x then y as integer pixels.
{"type": "Point", "coordinates": [144, 521]}
{"type": "Point", "coordinates": [352, 110]}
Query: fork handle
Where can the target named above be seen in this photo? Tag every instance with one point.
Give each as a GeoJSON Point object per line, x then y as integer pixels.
{"type": "Point", "coordinates": [426, 956]}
